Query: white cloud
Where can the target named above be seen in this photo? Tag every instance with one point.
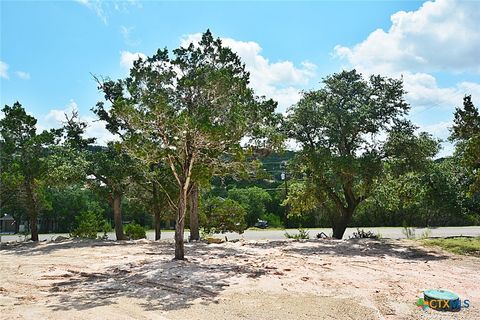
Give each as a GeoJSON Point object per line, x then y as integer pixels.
{"type": "Point", "coordinates": [104, 8]}
{"type": "Point", "coordinates": [127, 58]}
{"type": "Point", "coordinates": [3, 70]}
{"type": "Point", "coordinates": [441, 36]}
{"type": "Point", "coordinates": [281, 81]}
{"type": "Point", "coordinates": [23, 75]}
{"type": "Point", "coordinates": [95, 129]}
{"type": "Point", "coordinates": [97, 7]}
{"type": "Point", "coordinates": [127, 36]}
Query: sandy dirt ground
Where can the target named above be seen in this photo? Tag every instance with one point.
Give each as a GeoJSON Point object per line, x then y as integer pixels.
{"type": "Point", "coordinates": [316, 279]}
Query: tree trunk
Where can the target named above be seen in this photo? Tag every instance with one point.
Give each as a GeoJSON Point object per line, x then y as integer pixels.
{"type": "Point", "coordinates": [158, 230]}
{"type": "Point", "coordinates": [157, 213]}
{"type": "Point", "coordinates": [194, 229]}
{"type": "Point", "coordinates": [32, 209]}
{"type": "Point", "coordinates": [180, 225]}
{"type": "Point", "coordinates": [33, 227]}
{"type": "Point", "coordinates": [117, 216]}
{"type": "Point", "coordinates": [341, 222]}
{"type": "Point", "coordinates": [339, 229]}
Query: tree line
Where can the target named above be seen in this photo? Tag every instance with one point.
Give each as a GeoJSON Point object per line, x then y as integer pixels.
{"type": "Point", "coordinates": [193, 143]}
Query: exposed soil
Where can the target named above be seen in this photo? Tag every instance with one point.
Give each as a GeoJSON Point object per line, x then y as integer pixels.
{"type": "Point", "coordinates": [317, 279]}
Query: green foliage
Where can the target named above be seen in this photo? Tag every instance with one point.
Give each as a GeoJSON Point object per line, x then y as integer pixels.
{"type": "Point", "coordinates": [135, 231]}
{"type": "Point", "coordinates": [254, 200]}
{"type": "Point", "coordinates": [24, 161]}
{"type": "Point", "coordinates": [192, 109]}
{"type": "Point", "coordinates": [302, 234]}
{"type": "Point", "coordinates": [339, 128]}
{"type": "Point", "coordinates": [273, 220]}
{"type": "Point", "coordinates": [362, 234]}
{"type": "Point", "coordinates": [301, 199]}
{"type": "Point", "coordinates": [222, 215]}
{"type": "Point", "coordinates": [460, 245]}
{"type": "Point", "coordinates": [106, 227]}
{"type": "Point", "coordinates": [466, 133]}
{"type": "Point", "coordinates": [88, 225]}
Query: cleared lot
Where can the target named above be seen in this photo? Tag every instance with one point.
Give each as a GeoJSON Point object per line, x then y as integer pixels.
{"type": "Point", "coordinates": [317, 279]}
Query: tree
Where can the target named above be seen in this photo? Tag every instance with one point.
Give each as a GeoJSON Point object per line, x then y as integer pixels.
{"type": "Point", "coordinates": [152, 190]}
{"type": "Point", "coordinates": [189, 111]}
{"type": "Point", "coordinates": [254, 200]}
{"type": "Point", "coordinates": [223, 215]}
{"type": "Point", "coordinates": [466, 134]}
{"type": "Point", "coordinates": [194, 218]}
{"type": "Point", "coordinates": [23, 159]}
{"type": "Point", "coordinates": [339, 128]}
{"type": "Point", "coordinates": [112, 171]}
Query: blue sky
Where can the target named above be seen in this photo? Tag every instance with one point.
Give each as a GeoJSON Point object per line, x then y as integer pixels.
{"type": "Point", "coordinates": [49, 48]}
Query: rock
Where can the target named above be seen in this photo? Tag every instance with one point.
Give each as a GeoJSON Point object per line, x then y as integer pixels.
{"type": "Point", "coordinates": [60, 239]}
{"type": "Point", "coordinates": [215, 240]}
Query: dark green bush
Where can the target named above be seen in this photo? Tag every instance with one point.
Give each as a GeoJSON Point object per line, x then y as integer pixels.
{"type": "Point", "coordinates": [135, 231]}
{"type": "Point", "coordinates": [87, 225]}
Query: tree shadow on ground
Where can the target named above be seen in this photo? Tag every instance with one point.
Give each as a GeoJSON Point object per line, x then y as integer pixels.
{"type": "Point", "coordinates": [46, 247]}
{"type": "Point", "coordinates": [165, 284]}
{"type": "Point", "coordinates": [162, 283]}
{"type": "Point", "coordinates": [357, 247]}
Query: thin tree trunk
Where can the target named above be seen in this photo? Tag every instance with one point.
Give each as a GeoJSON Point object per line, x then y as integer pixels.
{"type": "Point", "coordinates": [180, 225]}
{"type": "Point", "coordinates": [32, 209]}
{"type": "Point", "coordinates": [158, 230]}
{"type": "Point", "coordinates": [157, 213]}
{"type": "Point", "coordinates": [33, 227]}
{"type": "Point", "coordinates": [117, 215]}
{"type": "Point", "coordinates": [194, 225]}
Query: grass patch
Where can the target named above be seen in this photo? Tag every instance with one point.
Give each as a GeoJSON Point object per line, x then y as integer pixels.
{"type": "Point", "coordinates": [459, 245]}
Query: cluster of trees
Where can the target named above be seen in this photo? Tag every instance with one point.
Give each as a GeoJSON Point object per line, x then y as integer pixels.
{"type": "Point", "coordinates": [194, 142]}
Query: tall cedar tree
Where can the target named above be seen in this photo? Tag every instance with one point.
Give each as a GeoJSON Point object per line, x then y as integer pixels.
{"type": "Point", "coordinates": [190, 110]}
{"type": "Point", "coordinates": [23, 159]}
{"type": "Point", "coordinates": [466, 132]}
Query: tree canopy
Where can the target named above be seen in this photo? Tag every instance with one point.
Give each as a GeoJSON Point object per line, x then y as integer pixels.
{"type": "Point", "coordinates": [341, 129]}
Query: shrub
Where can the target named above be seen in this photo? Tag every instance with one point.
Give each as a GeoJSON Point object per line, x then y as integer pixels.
{"type": "Point", "coordinates": [105, 228]}
{"type": "Point", "coordinates": [135, 231]}
{"type": "Point", "coordinates": [362, 234]}
{"type": "Point", "coordinates": [302, 234]}
{"type": "Point", "coordinates": [273, 220]}
{"type": "Point", "coordinates": [409, 232]}
{"type": "Point", "coordinates": [87, 225]}
{"type": "Point", "coordinates": [223, 215]}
